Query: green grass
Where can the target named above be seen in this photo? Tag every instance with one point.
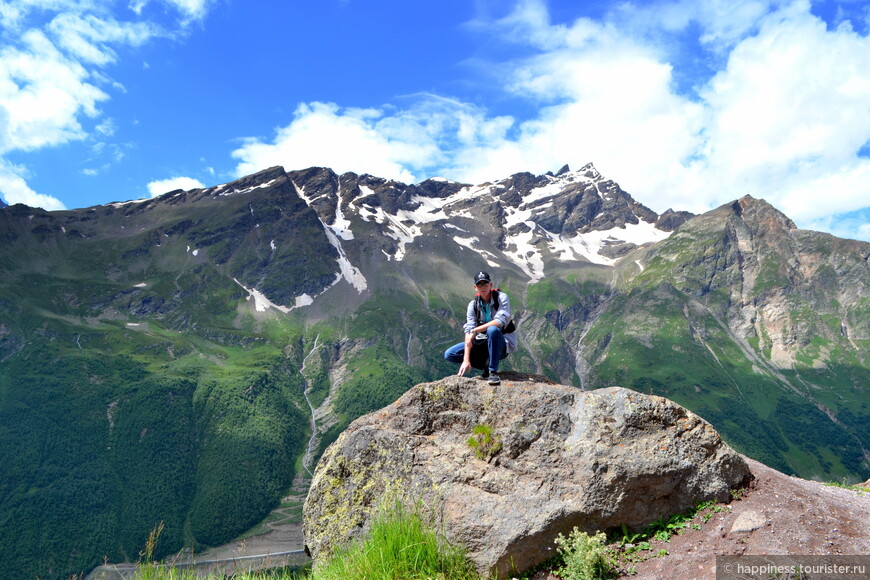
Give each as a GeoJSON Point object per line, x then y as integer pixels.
{"type": "Point", "coordinates": [402, 544]}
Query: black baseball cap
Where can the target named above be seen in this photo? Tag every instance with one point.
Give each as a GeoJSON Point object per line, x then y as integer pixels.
{"type": "Point", "coordinates": [482, 277]}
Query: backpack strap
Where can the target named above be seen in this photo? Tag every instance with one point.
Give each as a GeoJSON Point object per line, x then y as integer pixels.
{"type": "Point", "coordinates": [495, 297]}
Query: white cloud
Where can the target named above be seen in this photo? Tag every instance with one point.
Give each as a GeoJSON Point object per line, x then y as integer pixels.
{"type": "Point", "coordinates": [195, 9]}
{"type": "Point", "coordinates": [190, 10]}
{"type": "Point", "coordinates": [789, 115]}
{"type": "Point", "coordinates": [106, 128]}
{"type": "Point", "coordinates": [52, 77]}
{"type": "Point", "coordinates": [15, 189]}
{"type": "Point", "coordinates": [85, 37]}
{"type": "Point", "coordinates": [162, 186]}
{"type": "Point", "coordinates": [604, 99]}
{"type": "Point", "coordinates": [43, 94]}
{"type": "Point", "coordinates": [721, 23]}
{"type": "Point", "coordinates": [358, 140]}
{"type": "Point", "coordinates": [853, 225]}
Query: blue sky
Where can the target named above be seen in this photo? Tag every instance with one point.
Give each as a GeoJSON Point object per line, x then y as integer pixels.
{"type": "Point", "coordinates": [685, 104]}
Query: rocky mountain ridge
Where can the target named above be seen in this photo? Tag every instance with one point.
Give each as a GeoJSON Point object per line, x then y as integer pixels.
{"type": "Point", "coordinates": [571, 215]}
{"type": "Point", "coordinates": [517, 223]}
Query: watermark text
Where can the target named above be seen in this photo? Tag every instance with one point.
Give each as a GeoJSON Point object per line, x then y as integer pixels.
{"type": "Point", "coordinates": [789, 567]}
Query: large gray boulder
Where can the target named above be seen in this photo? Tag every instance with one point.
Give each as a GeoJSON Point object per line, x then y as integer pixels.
{"type": "Point", "coordinates": [562, 458]}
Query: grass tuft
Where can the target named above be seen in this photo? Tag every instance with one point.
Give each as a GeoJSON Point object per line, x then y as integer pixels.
{"type": "Point", "coordinates": [402, 544]}
{"type": "Point", "coordinates": [484, 443]}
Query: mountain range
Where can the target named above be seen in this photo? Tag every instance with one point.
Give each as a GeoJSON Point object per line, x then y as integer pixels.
{"type": "Point", "coordinates": [179, 359]}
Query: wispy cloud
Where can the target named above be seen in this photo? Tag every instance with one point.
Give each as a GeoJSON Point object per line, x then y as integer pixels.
{"type": "Point", "coordinates": [385, 142]}
{"type": "Point", "coordinates": [189, 10]}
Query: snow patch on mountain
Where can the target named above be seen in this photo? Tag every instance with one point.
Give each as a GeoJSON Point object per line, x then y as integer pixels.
{"type": "Point", "coordinates": [219, 190]}
{"type": "Point", "coordinates": [466, 242]}
{"type": "Point", "coordinates": [589, 245]}
{"type": "Point", "coordinates": [261, 303]}
{"type": "Point", "coordinates": [472, 243]}
{"type": "Point", "coordinates": [120, 204]}
{"type": "Point", "coordinates": [553, 188]}
{"type": "Point", "coordinates": [341, 224]}
{"type": "Point", "coordinates": [402, 227]}
{"type": "Point", "coordinates": [303, 300]}
{"type": "Point", "coordinates": [525, 255]}
{"type": "Point", "coordinates": [348, 271]}
{"type": "Point", "coordinates": [339, 230]}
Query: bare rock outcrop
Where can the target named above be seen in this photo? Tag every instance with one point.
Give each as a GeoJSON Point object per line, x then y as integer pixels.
{"type": "Point", "coordinates": [777, 515]}
{"type": "Point", "coordinates": [549, 458]}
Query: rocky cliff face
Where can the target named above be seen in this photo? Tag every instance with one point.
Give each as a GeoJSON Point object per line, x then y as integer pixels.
{"type": "Point", "coordinates": [785, 288]}
{"type": "Point", "coordinates": [519, 222]}
{"type": "Point", "coordinates": [748, 304]}
{"type": "Point", "coordinates": [511, 467]}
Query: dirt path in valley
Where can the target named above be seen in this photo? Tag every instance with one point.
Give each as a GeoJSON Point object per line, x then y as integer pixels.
{"type": "Point", "coordinates": [281, 532]}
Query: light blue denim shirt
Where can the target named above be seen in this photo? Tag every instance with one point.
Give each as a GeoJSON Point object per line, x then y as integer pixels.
{"type": "Point", "coordinates": [503, 316]}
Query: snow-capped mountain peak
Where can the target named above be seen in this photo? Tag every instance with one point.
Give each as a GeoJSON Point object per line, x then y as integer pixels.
{"type": "Point", "coordinates": [523, 224]}
{"type": "Point", "coordinates": [522, 221]}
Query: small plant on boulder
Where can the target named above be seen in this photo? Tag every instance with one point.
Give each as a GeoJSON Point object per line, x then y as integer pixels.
{"type": "Point", "coordinates": [484, 444]}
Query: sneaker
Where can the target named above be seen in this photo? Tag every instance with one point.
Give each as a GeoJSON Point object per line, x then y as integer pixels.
{"type": "Point", "coordinates": [484, 375]}
{"type": "Point", "coordinates": [493, 379]}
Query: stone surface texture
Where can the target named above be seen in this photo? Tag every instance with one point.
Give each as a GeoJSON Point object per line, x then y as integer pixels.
{"type": "Point", "coordinates": [558, 457]}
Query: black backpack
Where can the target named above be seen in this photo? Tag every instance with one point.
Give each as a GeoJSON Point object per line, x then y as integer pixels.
{"type": "Point", "coordinates": [511, 327]}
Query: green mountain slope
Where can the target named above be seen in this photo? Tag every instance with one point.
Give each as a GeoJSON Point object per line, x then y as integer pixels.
{"type": "Point", "coordinates": [757, 326]}
{"type": "Point", "coordinates": [132, 391]}
{"type": "Point", "coordinates": [162, 360]}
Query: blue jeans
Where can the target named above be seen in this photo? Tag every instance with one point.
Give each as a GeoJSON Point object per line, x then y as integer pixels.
{"type": "Point", "coordinates": [495, 349]}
